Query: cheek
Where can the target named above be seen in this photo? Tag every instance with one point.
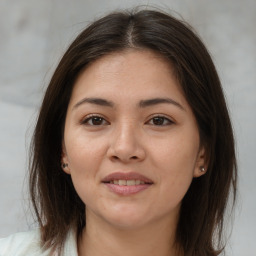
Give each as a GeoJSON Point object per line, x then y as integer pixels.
{"type": "Point", "coordinates": [84, 157]}
{"type": "Point", "coordinates": [177, 153]}
{"type": "Point", "coordinates": [175, 178]}
{"type": "Point", "coordinates": [83, 151]}
{"type": "Point", "coordinates": [174, 160]}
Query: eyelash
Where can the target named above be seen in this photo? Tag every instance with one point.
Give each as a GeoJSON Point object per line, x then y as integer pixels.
{"type": "Point", "coordinates": [90, 118]}
{"type": "Point", "coordinates": [165, 121]}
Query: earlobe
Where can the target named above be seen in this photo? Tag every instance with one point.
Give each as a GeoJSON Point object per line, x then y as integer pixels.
{"type": "Point", "coordinates": [201, 164]}
{"type": "Point", "coordinates": [64, 166]}
{"type": "Point", "coordinates": [64, 160]}
{"type": "Point", "coordinates": [199, 171]}
{"type": "Point", "coordinates": [202, 169]}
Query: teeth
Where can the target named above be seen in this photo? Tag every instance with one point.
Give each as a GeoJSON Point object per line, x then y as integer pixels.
{"type": "Point", "coordinates": [130, 182]}
{"type": "Point", "coordinates": [122, 182]}
{"type": "Point", "coordinates": [127, 182]}
{"type": "Point", "coordinates": [137, 182]}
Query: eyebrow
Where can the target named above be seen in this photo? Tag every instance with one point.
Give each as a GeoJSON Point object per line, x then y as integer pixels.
{"type": "Point", "coordinates": [142, 103]}
{"type": "Point", "coordinates": [95, 101]}
{"type": "Point", "coordinates": [155, 101]}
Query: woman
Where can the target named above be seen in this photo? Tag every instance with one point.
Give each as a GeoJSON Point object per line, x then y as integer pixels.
{"type": "Point", "coordinates": [133, 151]}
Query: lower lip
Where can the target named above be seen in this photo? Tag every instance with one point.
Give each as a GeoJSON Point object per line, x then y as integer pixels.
{"type": "Point", "coordinates": [127, 190]}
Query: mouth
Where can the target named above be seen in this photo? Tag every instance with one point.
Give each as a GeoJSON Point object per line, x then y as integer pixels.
{"type": "Point", "coordinates": [127, 183]}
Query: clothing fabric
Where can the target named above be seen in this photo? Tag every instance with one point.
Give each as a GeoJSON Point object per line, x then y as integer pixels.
{"type": "Point", "coordinates": [28, 244]}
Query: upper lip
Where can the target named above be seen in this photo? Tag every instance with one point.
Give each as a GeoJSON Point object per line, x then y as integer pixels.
{"type": "Point", "coordinates": [126, 176]}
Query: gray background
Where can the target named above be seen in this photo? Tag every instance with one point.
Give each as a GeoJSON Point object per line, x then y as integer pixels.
{"type": "Point", "coordinates": [33, 36]}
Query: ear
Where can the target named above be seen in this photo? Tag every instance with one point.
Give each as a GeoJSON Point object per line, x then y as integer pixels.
{"type": "Point", "coordinates": [64, 160]}
{"type": "Point", "coordinates": [201, 163]}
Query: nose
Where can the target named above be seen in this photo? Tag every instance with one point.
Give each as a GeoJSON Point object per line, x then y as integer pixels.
{"type": "Point", "coordinates": [126, 145]}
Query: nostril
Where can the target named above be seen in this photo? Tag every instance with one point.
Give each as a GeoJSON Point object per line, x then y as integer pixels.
{"type": "Point", "coordinates": [131, 158]}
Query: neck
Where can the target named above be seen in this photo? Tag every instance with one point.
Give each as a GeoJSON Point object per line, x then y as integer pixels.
{"type": "Point", "coordinates": [101, 238]}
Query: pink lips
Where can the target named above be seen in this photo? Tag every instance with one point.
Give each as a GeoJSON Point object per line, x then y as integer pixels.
{"type": "Point", "coordinates": [125, 189]}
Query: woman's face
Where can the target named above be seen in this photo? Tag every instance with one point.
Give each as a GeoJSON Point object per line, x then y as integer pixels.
{"type": "Point", "coordinates": [131, 140]}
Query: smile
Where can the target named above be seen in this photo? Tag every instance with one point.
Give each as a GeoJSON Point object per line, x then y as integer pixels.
{"type": "Point", "coordinates": [126, 183]}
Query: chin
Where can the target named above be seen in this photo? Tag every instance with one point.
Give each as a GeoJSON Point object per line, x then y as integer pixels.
{"type": "Point", "coordinates": [126, 219]}
{"type": "Point", "coordinates": [127, 224]}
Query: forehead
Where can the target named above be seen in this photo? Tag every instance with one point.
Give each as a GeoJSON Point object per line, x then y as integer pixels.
{"type": "Point", "coordinates": [132, 72]}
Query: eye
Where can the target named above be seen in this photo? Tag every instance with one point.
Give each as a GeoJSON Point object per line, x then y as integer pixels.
{"type": "Point", "coordinates": [160, 121]}
{"type": "Point", "coordinates": [94, 120]}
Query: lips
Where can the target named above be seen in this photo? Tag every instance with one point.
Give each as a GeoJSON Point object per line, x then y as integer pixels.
{"type": "Point", "coordinates": [127, 183]}
{"type": "Point", "coordinates": [126, 177]}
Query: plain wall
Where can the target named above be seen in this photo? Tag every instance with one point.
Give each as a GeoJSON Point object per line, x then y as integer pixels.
{"type": "Point", "coordinates": [34, 35]}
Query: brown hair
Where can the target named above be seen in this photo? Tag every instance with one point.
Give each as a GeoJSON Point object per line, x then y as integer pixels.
{"type": "Point", "coordinates": [57, 205]}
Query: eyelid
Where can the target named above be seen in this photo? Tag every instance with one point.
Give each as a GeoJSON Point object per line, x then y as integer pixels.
{"type": "Point", "coordinates": [168, 118]}
{"type": "Point", "coordinates": [86, 118]}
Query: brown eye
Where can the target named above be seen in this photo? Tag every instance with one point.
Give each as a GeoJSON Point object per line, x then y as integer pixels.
{"type": "Point", "coordinates": [95, 121]}
{"type": "Point", "coordinates": [160, 121]}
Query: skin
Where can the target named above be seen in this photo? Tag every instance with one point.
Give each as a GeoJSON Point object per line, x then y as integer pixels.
{"type": "Point", "coordinates": [129, 138]}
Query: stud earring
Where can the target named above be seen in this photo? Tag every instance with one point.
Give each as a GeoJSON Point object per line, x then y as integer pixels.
{"type": "Point", "coordinates": [64, 165]}
{"type": "Point", "coordinates": [202, 169]}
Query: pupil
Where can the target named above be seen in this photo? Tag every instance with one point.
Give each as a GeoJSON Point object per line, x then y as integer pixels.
{"type": "Point", "coordinates": [158, 120]}
{"type": "Point", "coordinates": [96, 120]}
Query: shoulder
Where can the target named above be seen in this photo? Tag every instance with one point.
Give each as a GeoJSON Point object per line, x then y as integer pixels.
{"type": "Point", "coordinates": [21, 244]}
{"type": "Point", "coordinates": [28, 244]}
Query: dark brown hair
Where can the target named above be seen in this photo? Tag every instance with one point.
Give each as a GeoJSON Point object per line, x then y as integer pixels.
{"type": "Point", "coordinates": [57, 205]}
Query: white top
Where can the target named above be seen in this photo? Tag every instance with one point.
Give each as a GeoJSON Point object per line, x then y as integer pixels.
{"type": "Point", "coordinates": [28, 244]}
